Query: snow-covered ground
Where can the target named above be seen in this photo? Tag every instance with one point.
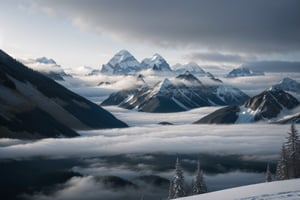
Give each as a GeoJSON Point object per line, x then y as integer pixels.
{"type": "Point", "coordinates": [287, 190]}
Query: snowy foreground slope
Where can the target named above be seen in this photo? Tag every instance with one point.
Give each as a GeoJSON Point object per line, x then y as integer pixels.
{"type": "Point", "coordinates": [287, 190]}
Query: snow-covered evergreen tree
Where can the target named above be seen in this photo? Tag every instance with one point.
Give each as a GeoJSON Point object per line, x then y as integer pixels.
{"type": "Point", "coordinates": [281, 170]}
{"type": "Point", "coordinates": [293, 153]}
{"type": "Point", "coordinates": [171, 190]}
{"type": "Point", "coordinates": [177, 184]}
{"type": "Point", "coordinates": [268, 174]}
{"type": "Point", "coordinates": [199, 186]}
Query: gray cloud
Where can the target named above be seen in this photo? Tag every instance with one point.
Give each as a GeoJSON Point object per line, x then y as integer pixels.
{"type": "Point", "coordinates": [219, 57]}
{"type": "Point", "coordinates": [173, 139]}
{"type": "Point", "coordinates": [274, 66]}
{"type": "Point", "coordinates": [235, 25]}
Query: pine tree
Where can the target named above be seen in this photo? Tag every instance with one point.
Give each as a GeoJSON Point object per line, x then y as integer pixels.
{"type": "Point", "coordinates": [199, 186]}
{"type": "Point", "coordinates": [281, 170]}
{"type": "Point", "coordinates": [171, 193]}
{"type": "Point", "coordinates": [293, 153]}
{"type": "Point", "coordinates": [177, 185]}
{"type": "Point", "coordinates": [268, 174]}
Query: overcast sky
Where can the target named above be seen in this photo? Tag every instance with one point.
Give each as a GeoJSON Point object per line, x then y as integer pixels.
{"type": "Point", "coordinates": [210, 32]}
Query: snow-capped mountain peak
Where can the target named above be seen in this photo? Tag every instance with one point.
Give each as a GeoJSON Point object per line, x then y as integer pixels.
{"type": "Point", "coordinates": [191, 67]}
{"type": "Point", "coordinates": [162, 87]}
{"type": "Point", "coordinates": [287, 84]}
{"type": "Point", "coordinates": [156, 56]}
{"type": "Point", "coordinates": [156, 63]}
{"type": "Point", "coordinates": [122, 58]}
{"type": "Point", "coordinates": [122, 62]}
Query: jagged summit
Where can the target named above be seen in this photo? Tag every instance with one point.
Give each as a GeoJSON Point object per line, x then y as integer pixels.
{"type": "Point", "coordinates": [121, 56]}
{"type": "Point", "coordinates": [188, 76]}
{"type": "Point", "coordinates": [266, 106]}
{"type": "Point", "coordinates": [270, 103]}
{"type": "Point", "coordinates": [122, 62]}
{"type": "Point", "coordinates": [192, 67]}
{"type": "Point", "coordinates": [157, 56]}
{"type": "Point", "coordinates": [156, 63]}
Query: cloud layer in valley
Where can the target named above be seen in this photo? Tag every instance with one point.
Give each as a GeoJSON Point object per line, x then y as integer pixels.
{"type": "Point", "coordinates": [230, 139]}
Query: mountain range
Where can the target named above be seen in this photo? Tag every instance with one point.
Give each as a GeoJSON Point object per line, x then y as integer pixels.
{"type": "Point", "coordinates": [266, 106]}
{"type": "Point", "coordinates": [124, 63]}
{"type": "Point", "coordinates": [34, 106]}
{"type": "Point", "coordinates": [183, 93]}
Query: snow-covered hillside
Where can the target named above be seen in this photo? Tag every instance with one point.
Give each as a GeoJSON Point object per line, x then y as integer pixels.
{"type": "Point", "coordinates": [287, 190]}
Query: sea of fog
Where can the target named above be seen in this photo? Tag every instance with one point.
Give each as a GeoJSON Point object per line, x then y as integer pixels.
{"type": "Point", "coordinates": [138, 161]}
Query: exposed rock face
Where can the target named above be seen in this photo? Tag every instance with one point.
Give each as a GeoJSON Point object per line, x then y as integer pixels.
{"type": "Point", "coordinates": [265, 106]}
{"type": "Point", "coordinates": [227, 115]}
{"type": "Point", "coordinates": [34, 106]}
{"type": "Point", "coordinates": [183, 93]}
{"type": "Point", "coordinates": [270, 103]}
